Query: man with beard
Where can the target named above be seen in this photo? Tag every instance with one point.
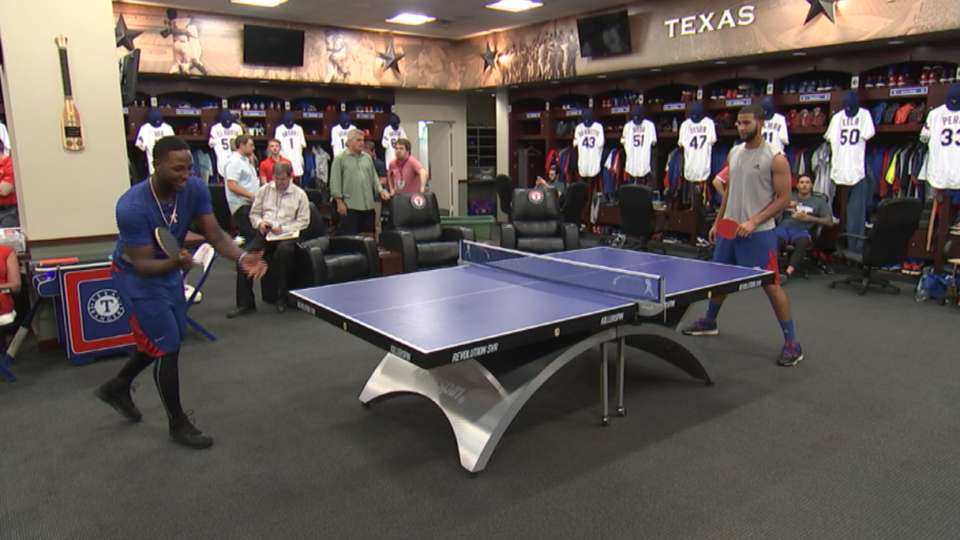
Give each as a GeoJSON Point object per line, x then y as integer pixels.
{"type": "Point", "coordinates": [758, 190]}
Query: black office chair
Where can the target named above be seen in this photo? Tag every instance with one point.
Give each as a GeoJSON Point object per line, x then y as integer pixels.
{"type": "Point", "coordinates": [417, 234]}
{"type": "Point", "coordinates": [536, 224]}
{"type": "Point", "coordinates": [221, 210]}
{"type": "Point", "coordinates": [885, 244]}
{"type": "Point", "coordinates": [575, 199]}
{"type": "Point", "coordinates": [637, 218]}
{"type": "Point", "coordinates": [504, 187]}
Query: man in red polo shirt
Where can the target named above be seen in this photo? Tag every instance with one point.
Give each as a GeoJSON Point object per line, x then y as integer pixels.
{"type": "Point", "coordinates": [9, 217]}
{"type": "Point", "coordinates": [273, 156]}
{"type": "Point", "coordinates": [406, 174]}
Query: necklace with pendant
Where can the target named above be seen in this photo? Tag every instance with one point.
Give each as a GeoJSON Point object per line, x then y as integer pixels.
{"type": "Point", "coordinates": [163, 215]}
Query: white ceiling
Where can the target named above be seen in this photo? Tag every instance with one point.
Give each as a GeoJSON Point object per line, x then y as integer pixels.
{"type": "Point", "coordinates": [455, 18]}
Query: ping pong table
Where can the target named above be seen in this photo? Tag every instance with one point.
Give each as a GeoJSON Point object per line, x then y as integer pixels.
{"type": "Point", "coordinates": [480, 338]}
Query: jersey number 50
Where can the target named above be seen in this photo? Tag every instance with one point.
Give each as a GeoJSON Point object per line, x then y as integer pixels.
{"type": "Point", "coordinates": [849, 136]}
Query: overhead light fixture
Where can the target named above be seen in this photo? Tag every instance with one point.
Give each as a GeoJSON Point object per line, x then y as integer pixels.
{"type": "Point", "coordinates": [514, 6]}
{"type": "Point", "coordinates": [260, 3]}
{"type": "Point", "coordinates": [411, 19]}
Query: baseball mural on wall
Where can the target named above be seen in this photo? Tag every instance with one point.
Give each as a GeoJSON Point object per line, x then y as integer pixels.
{"type": "Point", "coordinates": [662, 34]}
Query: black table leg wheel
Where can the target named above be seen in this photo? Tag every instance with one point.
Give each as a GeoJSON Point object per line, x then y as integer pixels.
{"type": "Point", "coordinates": [605, 421]}
{"type": "Point", "coordinates": [621, 411]}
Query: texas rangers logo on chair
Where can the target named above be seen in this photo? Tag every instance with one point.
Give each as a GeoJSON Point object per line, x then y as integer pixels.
{"type": "Point", "coordinates": [94, 321]}
{"type": "Point", "coordinates": [535, 196]}
{"type": "Point", "coordinates": [104, 306]}
{"type": "Point", "coordinates": [418, 201]}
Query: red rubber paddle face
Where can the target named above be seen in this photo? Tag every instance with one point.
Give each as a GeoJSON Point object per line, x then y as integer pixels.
{"type": "Point", "coordinates": [727, 228]}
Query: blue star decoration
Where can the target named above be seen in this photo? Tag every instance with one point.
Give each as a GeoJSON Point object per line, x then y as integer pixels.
{"type": "Point", "coordinates": [391, 59]}
{"type": "Point", "coordinates": [827, 7]}
{"type": "Point", "coordinates": [489, 57]}
{"type": "Point", "coordinates": [124, 35]}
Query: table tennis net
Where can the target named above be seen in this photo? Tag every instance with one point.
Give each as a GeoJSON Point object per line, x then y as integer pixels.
{"type": "Point", "coordinates": [636, 286]}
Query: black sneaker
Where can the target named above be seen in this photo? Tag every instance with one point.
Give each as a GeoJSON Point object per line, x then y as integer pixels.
{"type": "Point", "coordinates": [240, 312]}
{"type": "Point", "coordinates": [184, 432]}
{"type": "Point", "coordinates": [791, 354]}
{"type": "Point", "coordinates": [702, 327]}
{"type": "Point", "coordinates": [116, 394]}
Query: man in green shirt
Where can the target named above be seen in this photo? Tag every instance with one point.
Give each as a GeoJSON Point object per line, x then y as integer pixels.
{"type": "Point", "coordinates": [355, 187]}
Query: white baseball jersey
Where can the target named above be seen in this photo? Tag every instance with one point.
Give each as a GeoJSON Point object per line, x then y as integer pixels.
{"type": "Point", "coordinates": [775, 133]}
{"type": "Point", "coordinates": [589, 142]}
{"type": "Point", "coordinates": [942, 134]}
{"type": "Point", "coordinates": [5, 137]}
{"type": "Point", "coordinates": [848, 144]}
{"type": "Point", "coordinates": [390, 137]}
{"type": "Point", "coordinates": [148, 136]}
{"type": "Point", "coordinates": [292, 142]}
{"type": "Point", "coordinates": [220, 139]}
{"type": "Point", "coordinates": [697, 140]}
{"type": "Point", "coordinates": [338, 138]}
{"type": "Point", "coordinates": [638, 140]}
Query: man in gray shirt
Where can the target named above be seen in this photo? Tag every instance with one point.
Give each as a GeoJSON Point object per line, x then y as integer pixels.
{"type": "Point", "coordinates": [805, 213]}
{"type": "Point", "coordinates": [758, 191]}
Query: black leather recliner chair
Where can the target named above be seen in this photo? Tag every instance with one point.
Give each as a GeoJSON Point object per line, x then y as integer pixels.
{"type": "Point", "coordinates": [321, 259]}
{"type": "Point", "coordinates": [885, 244]}
{"type": "Point", "coordinates": [416, 233]}
{"type": "Point", "coordinates": [536, 224]}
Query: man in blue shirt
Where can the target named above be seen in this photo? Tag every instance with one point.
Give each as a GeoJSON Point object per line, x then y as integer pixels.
{"type": "Point", "coordinates": [150, 284]}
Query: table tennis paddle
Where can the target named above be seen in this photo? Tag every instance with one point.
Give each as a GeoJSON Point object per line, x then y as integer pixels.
{"type": "Point", "coordinates": [727, 228]}
{"type": "Point", "coordinates": [167, 242]}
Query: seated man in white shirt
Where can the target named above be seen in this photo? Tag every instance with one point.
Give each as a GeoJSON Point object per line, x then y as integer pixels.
{"type": "Point", "coordinates": [280, 211]}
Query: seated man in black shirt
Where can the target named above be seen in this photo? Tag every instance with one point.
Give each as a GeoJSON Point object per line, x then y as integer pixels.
{"type": "Point", "coordinates": [805, 213]}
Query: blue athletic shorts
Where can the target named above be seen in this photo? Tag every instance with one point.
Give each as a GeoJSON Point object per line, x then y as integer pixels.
{"type": "Point", "coordinates": [158, 313]}
{"type": "Point", "coordinates": [789, 234]}
{"type": "Point", "coordinates": [759, 250]}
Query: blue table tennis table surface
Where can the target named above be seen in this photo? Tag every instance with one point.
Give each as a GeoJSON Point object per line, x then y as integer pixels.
{"type": "Point", "coordinates": [439, 310]}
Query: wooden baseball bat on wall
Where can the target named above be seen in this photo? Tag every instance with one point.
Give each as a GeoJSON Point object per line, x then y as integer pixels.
{"type": "Point", "coordinates": [71, 130]}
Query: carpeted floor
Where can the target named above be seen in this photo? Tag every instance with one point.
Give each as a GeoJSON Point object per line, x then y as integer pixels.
{"type": "Point", "coordinates": [859, 441]}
